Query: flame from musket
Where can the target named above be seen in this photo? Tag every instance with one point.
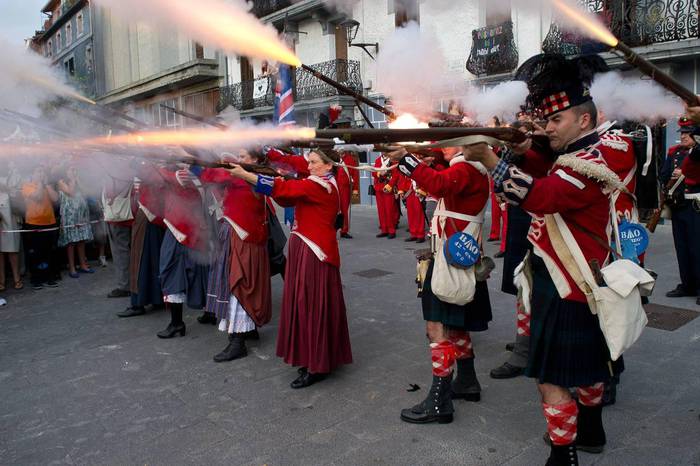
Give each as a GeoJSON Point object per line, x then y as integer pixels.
{"type": "Point", "coordinates": [203, 137]}
{"type": "Point", "coordinates": [586, 22]}
{"type": "Point", "coordinates": [224, 25]}
{"type": "Point", "coordinates": [407, 121]}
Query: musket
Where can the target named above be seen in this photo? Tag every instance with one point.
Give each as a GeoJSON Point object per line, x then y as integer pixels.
{"type": "Point", "coordinates": [200, 119]}
{"type": "Point", "coordinates": [663, 199]}
{"type": "Point", "coordinates": [347, 91]}
{"type": "Point", "coordinates": [413, 150]}
{"type": "Point", "coordinates": [655, 73]}
{"type": "Point", "coordinates": [388, 136]}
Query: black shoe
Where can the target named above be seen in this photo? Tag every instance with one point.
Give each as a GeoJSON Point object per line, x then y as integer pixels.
{"type": "Point", "coordinates": [465, 385]}
{"type": "Point", "coordinates": [697, 301]}
{"type": "Point", "coordinates": [307, 379]}
{"type": "Point", "coordinates": [382, 235]}
{"type": "Point", "coordinates": [207, 318]}
{"type": "Point", "coordinates": [437, 407]}
{"type": "Point", "coordinates": [235, 350]}
{"type": "Point", "coordinates": [391, 236]}
{"type": "Point", "coordinates": [562, 455]}
{"type": "Point", "coordinates": [510, 346]}
{"type": "Point", "coordinates": [409, 239]}
{"type": "Point", "coordinates": [132, 311]}
{"type": "Point", "coordinates": [119, 293]}
{"type": "Point", "coordinates": [679, 292]}
{"type": "Point", "coordinates": [252, 335]}
{"type": "Point", "coordinates": [346, 235]}
{"type": "Point", "coordinates": [171, 330]}
{"type": "Point", "coordinates": [37, 286]}
{"type": "Point", "coordinates": [420, 240]}
{"type": "Point", "coordinates": [590, 435]}
{"type": "Point", "coordinates": [499, 254]}
{"type": "Point", "coordinates": [506, 371]}
{"type": "Point", "coordinates": [51, 284]}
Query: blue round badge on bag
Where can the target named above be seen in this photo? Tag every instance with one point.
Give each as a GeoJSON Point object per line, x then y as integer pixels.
{"type": "Point", "coordinates": [462, 250]}
{"type": "Point", "coordinates": [634, 234]}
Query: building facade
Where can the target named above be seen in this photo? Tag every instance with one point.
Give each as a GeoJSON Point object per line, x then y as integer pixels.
{"type": "Point", "coordinates": [67, 40]}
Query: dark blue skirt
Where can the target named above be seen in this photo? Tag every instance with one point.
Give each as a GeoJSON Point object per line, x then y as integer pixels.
{"type": "Point", "coordinates": [472, 317]}
{"type": "Point", "coordinates": [517, 246]}
{"type": "Point", "coordinates": [219, 288]}
{"type": "Point", "coordinates": [567, 347]}
{"type": "Point", "coordinates": [181, 271]}
{"type": "Point", "coordinates": [148, 281]}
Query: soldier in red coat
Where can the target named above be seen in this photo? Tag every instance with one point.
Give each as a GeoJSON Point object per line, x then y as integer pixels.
{"type": "Point", "coordinates": [463, 191]}
{"type": "Point", "coordinates": [414, 197]}
{"type": "Point", "coordinates": [384, 191]}
{"type": "Point", "coordinates": [567, 347]}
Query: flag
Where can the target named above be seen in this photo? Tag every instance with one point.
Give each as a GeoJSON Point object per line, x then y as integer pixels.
{"type": "Point", "coordinates": [284, 97]}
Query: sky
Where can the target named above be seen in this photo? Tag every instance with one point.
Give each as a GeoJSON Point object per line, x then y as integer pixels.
{"type": "Point", "coordinates": [20, 18]}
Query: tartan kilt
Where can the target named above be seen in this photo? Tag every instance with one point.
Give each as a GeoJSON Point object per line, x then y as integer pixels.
{"type": "Point", "coordinates": [472, 317]}
{"type": "Point", "coordinates": [567, 347]}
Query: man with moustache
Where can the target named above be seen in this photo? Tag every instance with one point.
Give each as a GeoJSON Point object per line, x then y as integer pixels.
{"type": "Point", "coordinates": [567, 347]}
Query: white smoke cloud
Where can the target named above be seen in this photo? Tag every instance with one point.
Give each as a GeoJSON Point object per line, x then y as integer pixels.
{"type": "Point", "coordinates": [503, 100]}
{"type": "Point", "coordinates": [410, 64]}
{"type": "Point", "coordinates": [625, 98]}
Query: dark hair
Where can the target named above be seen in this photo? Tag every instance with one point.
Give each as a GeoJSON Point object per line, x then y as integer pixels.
{"type": "Point", "coordinates": [590, 108]}
{"type": "Point", "coordinates": [258, 154]}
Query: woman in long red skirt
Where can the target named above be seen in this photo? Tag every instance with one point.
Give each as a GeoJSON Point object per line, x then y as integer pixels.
{"type": "Point", "coordinates": [313, 332]}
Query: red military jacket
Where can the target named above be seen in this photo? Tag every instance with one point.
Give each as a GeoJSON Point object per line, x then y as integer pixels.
{"type": "Point", "coordinates": [691, 169]}
{"type": "Point", "coordinates": [317, 204]}
{"type": "Point", "coordinates": [242, 207]}
{"type": "Point", "coordinates": [380, 179]}
{"type": "Point", "coordinates": [577, 187]}
{"type": "Point", "coordinates": [183, 212]}
{"type": "Point", "coordinates": [288, 163]}
{"type": "Point", "coordinates": [151, 198]}
{"type": "Point", "coordinates": [349, 160]}
{"type": "Point", "coordinates": [464, 186]}
{"type": "Point", "coordinates": [624, 163]}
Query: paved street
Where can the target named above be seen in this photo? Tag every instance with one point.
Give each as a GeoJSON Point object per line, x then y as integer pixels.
{"type": "Point", "coordinates": [80, 386]}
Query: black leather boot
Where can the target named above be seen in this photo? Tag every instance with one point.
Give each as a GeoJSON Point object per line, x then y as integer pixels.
{"type": "Point", "coordinates": [236, 349]}
{"type": "Point", "coordinates": [562, 455]}
{"type": "Point", "coordinates": [437, 407]}
{"type": "Point", "coordinates": [610, 391]}
{"type": "Point", "coordinates": [590, 436]}
{"type": "Point", "coordinates": [465, 385]}
{"type": "Point", "coordinates": [176, 324]}
{"type": "Point", "coordinates": [207, 318]}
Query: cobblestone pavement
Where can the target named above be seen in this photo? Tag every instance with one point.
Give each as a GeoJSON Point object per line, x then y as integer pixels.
{"type": "Point", "coordinates": [80, 386]}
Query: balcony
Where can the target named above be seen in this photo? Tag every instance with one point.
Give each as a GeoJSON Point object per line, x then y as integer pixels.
{"type": "Point", "coordinates": [265, 7]}
{"type": "Point", "coordinates": [493, 50]}
{"type": "Point", "coordinates": [260, 93]}
{"type": "Point", "coordinates": [636, 22]}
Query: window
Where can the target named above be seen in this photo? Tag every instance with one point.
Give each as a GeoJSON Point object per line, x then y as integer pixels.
{"type": "Point", "coordinates": [497, 13]}
{"type": "Point", "coordinates": [69, 66]}
{"type": "Point", "coordinates": [406, 11]}
{"type": "Point", "coordinates": [49, 49]}
{"type": "Point", "coordinates": [80, 24]}
{"type": "Point", "coordinates": [88, 58]}
{"type": "Point", "coordinates": [69, 34]}
{"type": "Point", "coordinates": [58, 41]}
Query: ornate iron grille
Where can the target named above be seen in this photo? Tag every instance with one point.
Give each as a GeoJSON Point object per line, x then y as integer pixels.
{"type": "Point", "coordinates": [635, 22]}
{"type": "Point", "coordinates": [493, 50]}
{"type": "Point", "coordinates": [265, 7]}
{"type": "Point", "coordinates": [260, 92]}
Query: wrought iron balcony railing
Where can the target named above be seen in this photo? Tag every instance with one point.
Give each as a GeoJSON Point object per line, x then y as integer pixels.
{"type": "Point", "coordinates": [260, 92]}
{"type": "Point", "coordinates": [635, 22]}
{"type": "Point", "coordinates": [265, 7]}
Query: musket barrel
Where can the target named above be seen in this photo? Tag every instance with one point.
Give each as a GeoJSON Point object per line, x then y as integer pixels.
{"type": "Point", "coordinates": [347, 91]}
{"type": "Point", "coordinates": [387, 136]}
{"type": "Point", "coordinates": [655, 73]}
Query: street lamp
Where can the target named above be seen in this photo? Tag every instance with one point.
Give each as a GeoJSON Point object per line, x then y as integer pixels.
{"type": "Point", "coordinates": [351, 27]}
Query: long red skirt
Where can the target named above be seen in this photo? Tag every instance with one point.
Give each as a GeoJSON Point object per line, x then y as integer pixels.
{"type": "Point", "coordinates": [313, 329]}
